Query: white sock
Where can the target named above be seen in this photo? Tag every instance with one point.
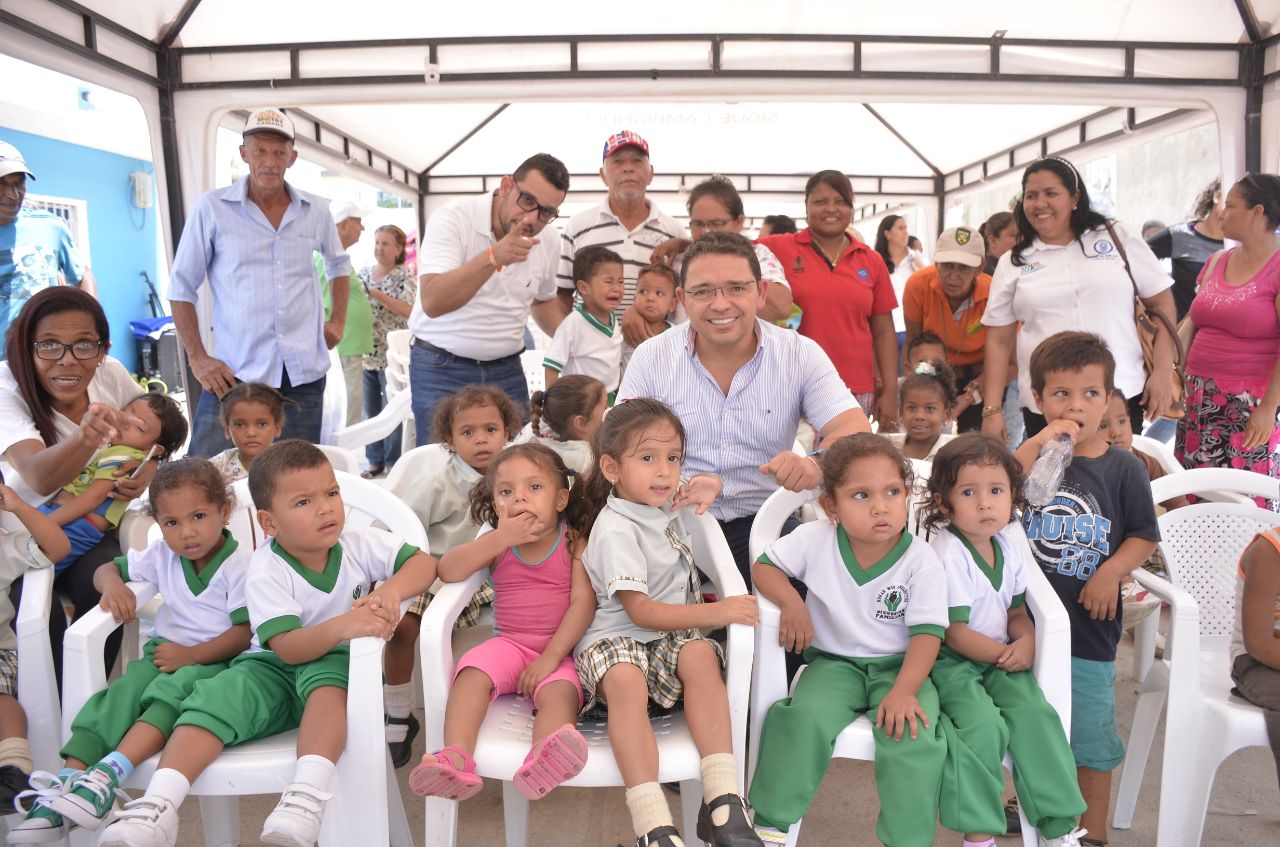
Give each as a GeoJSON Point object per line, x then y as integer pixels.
{"type": "Point", "coordinates": [315, 771]}
{"type": "Point", "coordinates": [719, 777]}
{"type": "Point", "coordinates": [170, 785]}
{"type": "Point", "coordinates": [398, 699]}
{"type": "Point", "coordinates": [648, 807]}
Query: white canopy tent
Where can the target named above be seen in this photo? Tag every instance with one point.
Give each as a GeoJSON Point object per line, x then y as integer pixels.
{"type": "Point", "coordinates": [918, 101]}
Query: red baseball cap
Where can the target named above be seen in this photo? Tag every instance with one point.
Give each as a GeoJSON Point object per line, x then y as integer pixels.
{"type": "Point", "coordinates": [624, 138]}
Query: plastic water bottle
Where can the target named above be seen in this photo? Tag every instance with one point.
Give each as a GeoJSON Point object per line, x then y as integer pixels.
{"type": "Point", "coordinates": [1046, 474]}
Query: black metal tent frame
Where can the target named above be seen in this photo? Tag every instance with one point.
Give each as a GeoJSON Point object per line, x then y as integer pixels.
{"type": "Point", "coordinates": [167, 78]}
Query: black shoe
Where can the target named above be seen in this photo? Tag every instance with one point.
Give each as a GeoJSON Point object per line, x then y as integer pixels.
{"type": "Point", "coordinates": [402, 751]}
{"type": "Point", "coordinates": [13, 781]}
{"type": "Point", "coordinates": [659, 836]}
{"type": "Point", "coordinates": [735, 832]}
{"type": "Point", "coordinates": [1012, 820]}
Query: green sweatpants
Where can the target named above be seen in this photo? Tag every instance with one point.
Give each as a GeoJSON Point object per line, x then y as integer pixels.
{"type": "Point", "coordinates": [143, 694]}
{"type": "Point", "coordinates": [800, 733]}
{"type": "Point", "coordinates": [986, 710]}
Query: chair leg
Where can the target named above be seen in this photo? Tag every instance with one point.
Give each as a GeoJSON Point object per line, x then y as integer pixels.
{"type": "Point", "coordinates": [397, 820]}
{"type": "Point", "coordinates": [1030, 835]}
{"type": "Point", "coordinates": [220, 817]}
{"type": "Point", "coordinates": [1144, 645]}
{"type": "Point", "coordinates": [442, 822]}
{"type": "Point", "coordinates": [690, 802]}
{"type": "Point", "coordinates": [515, 814]}
{"type": "Point", "coordinates": [1146, 718]}
{"type": "Point", "coordinates": [1186, 782]}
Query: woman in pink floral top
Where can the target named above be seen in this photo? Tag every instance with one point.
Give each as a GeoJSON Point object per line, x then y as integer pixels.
{"type": "Point", "coordinates": [1233, 364]}
{"type": "Point", "coordinates": [392, 288]}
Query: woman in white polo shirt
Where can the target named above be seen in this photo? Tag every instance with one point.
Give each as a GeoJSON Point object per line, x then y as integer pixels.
{"type": "Point", "coordinates": [1067, 272]}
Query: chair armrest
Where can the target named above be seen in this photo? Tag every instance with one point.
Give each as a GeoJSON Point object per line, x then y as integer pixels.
{"type": "Point", "coordinates": [83, 671]}
{"type": "Point", "coordinates": [33, 611]}
{"type": "Point", "coordinates": [37, 684]}
{"type": "Point", "coordinates": [134, 528]}
{"type": "Point", "coordinates": [377, 427]}
{"type": "Point", "coordinates": [1184, 622]}
{"type": "Point", "coordinates": [435, 643]}
{"type": "Point", "coordinates": [769, 682]}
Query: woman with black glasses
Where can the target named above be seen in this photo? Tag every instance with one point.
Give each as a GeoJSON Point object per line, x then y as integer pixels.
{"type": "Point", "coordinates": [60, 402]}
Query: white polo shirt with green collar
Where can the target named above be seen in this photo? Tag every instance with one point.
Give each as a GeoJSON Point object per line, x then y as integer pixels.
{"type": "Point", "coordinates": [283, 595]}
{"type": "Point", "coordinates": [584, 345]}
{"type": "Point", "coordinates": [198, 607]}
{"type": "Point", "coordinates": [863, 613]}
{"type": "Point", "coordinates": [981, 593]}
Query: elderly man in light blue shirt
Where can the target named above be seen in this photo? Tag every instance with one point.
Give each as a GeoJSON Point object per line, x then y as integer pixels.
{"type": "Point", "coordinates": [254, 241]}
{"type": "Point", "coordinates": [740, 386]}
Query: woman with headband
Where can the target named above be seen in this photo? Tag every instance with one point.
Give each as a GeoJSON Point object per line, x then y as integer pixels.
{"type": "Point", "coordinates": [1067, 272]}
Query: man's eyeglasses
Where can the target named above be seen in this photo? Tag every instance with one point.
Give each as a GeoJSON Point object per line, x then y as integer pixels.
{"type": "Point", "coordinates": [707, 293]}
{"type": "Point", "coordinates": [52, 351]}
{"type": "Point", "coordinates": [529, 203]}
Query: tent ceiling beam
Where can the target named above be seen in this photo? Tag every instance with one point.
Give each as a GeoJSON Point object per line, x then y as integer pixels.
{"type": "Point", "coordinates": [1053, 142]}
{"type": "Point", "coordinates": [88, 46]}
{"type": "Point", "coordinates": [452, 60]}
{"type": "Point", "coordinates": [174, 28]}
{"type": "Point", "coordinates": [1247, 17]}
{"type": "Point", "coordinates": [312, 130]}
{"type": "Point", "coordinates": [450, 185]}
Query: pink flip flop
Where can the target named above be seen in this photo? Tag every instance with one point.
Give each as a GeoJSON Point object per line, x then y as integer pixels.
{"type": "Point", "coordinates": [437, 777]}
{"type": "Point", "coordinates": [560, 756]}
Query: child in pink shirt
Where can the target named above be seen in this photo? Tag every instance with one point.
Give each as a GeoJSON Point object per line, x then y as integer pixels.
{"type": "Point", "coordinates": [543, 605]}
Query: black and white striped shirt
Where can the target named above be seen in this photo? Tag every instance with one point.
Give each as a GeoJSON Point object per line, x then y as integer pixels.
{"type": "Point", "coordinates": [599, 226]}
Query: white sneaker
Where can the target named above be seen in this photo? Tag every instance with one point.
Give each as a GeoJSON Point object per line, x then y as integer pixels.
{"type": "Point", "coordinates": [1071, 839]}
{"type": "Point", "coordinates": [149, 821]}
{"type": "Point", "coordinates": [296, 819]}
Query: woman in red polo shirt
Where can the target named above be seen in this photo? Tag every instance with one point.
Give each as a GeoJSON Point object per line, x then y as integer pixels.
{"type": "Point", "coordinates": [843, 288]}
{"type": "Point", "coordinates": [948, 299]}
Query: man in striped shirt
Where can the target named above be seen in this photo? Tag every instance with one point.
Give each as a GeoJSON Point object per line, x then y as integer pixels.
{"type": "Point", "coordinates": [740, 386]}
{"type": "Point", "coordinates": [627, 222]}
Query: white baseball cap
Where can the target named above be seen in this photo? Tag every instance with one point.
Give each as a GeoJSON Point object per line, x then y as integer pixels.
{"type": "Point", "coordinates": [343, 209]}
{"type": "Point", "coordinates": [961, 245]}
{"type": "Point", "coordinates": [11, 161]}
{"type": "Point", "coordinates": [269, 120]}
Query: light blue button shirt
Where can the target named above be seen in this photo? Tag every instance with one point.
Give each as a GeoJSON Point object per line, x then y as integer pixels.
{"type": "Point", "coordinates": [267, 315]}
{"type": "Point", "coordinates": [733, 434]}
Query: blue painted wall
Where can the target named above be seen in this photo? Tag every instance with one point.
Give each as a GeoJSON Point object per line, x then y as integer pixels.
{"type": "Point", "coordinates": [122, 237]}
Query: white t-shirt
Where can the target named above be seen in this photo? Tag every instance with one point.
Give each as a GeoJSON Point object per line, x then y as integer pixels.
{"type": "Point", "coordinates": [111, 385]}
{"type": "Point", "coordinates": [491, 324]}
{"type": "Point", "coordinates": [1070, 287]}
{"type": "Point", "coordinates": [863, 613]}
{"type": "Point", "coordinates": [979, 595]}
{"type": "Point", "coordinates": [585, 346]}
{"type": "Point", "coordinates": [197, 607]}
{"type": "Point", "coordinates": [901, 273]}
{"type": "Point", "coordinates": [284, 595]}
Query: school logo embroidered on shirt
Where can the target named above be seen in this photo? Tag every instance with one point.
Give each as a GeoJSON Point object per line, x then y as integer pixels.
{"type": "Point", "coordinates": [1102, 247]}
{"type": "Point", "coordinates": [1032, 268]}
{"type": "Point", "coordinates": [891, 601]}
{"type": "Point", "coordinates": [356, 592]}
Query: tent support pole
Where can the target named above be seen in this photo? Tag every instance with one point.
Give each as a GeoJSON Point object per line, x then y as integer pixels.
{"type": "Point", "coordinates": [170, 73]}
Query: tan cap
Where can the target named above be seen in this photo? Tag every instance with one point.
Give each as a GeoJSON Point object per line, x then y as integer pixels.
{"type": "Point", "coordinates": [961, 245]}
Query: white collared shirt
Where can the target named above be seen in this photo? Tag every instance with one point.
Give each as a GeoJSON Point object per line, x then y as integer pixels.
{"type": "Point", "coordinates": [584, 345]}
{"type": "Point", "coordinates": [600, 227]}
{"type": "Point", "coordinates": [491, 324]}
{"type": "Point", "coordinates": [788, 378]}
{"type": "Point", "coordinates": [1075, 287]}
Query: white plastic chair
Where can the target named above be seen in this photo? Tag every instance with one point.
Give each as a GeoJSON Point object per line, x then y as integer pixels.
{"type": "Point", "coordinates": [37, 685]}
{"type": "Point", "coordinates": [334, 412]}
{"type": "Point", "coordinates": [365, 779]}
{"type": "Point", "coordinates": [1202, 544]}
{"type": "Point", "coordinates": [1052, 667]}
{"type": "Point", "coordinates": [534, 375]}
{"type": "Point", "coordinates": [507, 731]}
{"type": "Point", "coordinates": [341, 458]}
{"type": "Point", "coordinates": [397, 412]}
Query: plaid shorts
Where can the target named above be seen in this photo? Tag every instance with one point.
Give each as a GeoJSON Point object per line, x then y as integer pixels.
{"type": "Point", "coordinates": [9, 672]}
{"type": "Point", "coordinates": [655, 659]}
{"type": "Point", "coordinates": [470, 615]}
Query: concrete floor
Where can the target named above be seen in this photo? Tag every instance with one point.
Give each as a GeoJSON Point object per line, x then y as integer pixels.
{"type": "Point", "coordinates": [1244, 810]}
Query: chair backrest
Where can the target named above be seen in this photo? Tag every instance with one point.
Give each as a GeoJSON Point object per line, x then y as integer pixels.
{"type": "Point", "coordinates": [420, 463]}
{"type": "Point", "coordinates": [534, 375]}
{"type": "Point", "coordinates": [366, 504]}
{"type": "Point", "coordinates": [341, 458]}
{"type": "Point", "coordinates": [334, 414]}
{"type": "Point", "coordinates": [1159, 451]}
{"type": "Point", "coordinates": [398, 341]}
{"type": "Point", "coordinates": [1202, 543]}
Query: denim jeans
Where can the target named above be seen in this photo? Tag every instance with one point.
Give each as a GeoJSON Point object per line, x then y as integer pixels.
{"type": "Point", "coordinates": [384, 453]}
{"type": "Point", "coordinates": [302, 413]}
{"type": "Point", "coordinates": [435, 375]}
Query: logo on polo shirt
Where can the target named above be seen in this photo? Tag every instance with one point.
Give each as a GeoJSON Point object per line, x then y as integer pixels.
{"type": "Point", "coordinates": [891, 601]}
{"type": "Point", "coordinates": [1032, 268]}
{"type": "Point", "coordinates": [1102, 249]}
{"type": "Point", "coordinates": [798, 265]}
{"type": "Point", "coordinates": [862, 272]}
{"type": "Point", "coordinates": [356, 592]}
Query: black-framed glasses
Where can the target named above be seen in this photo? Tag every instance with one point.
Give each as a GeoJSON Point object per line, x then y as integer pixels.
{"type": "Point", "coordinates": [52, 351]}
{"type": "Point", "coordinates": [529, 203]}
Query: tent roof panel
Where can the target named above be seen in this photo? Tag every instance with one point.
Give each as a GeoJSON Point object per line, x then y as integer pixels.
{"type": "Point", "coordinates": [223, 22]}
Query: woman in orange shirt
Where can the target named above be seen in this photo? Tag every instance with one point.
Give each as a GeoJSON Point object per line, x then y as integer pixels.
{"type": "Point", "coordinates": [948, 299]}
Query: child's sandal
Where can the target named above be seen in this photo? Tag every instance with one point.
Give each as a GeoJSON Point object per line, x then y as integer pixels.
{"type": "Point", "coordinates": [437, 776]}
{"type": "Point", "coordinates": [552, 760]}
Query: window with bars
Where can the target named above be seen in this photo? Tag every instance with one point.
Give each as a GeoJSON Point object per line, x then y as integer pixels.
{"type": "Point", "coordinates": [74, 212]}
